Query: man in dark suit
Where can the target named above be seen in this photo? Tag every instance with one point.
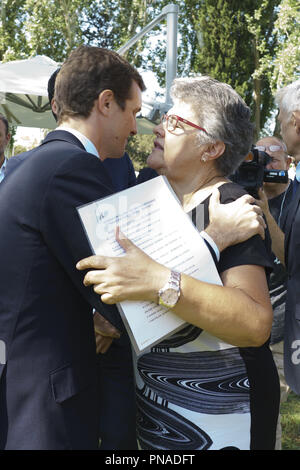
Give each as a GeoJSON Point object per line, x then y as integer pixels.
{"type": "Point", "coordinates": [48, 389]}
{"type": "Point", "coordinates": [289, 117]}
{"type": "Point", "coordinates": [114, 361]}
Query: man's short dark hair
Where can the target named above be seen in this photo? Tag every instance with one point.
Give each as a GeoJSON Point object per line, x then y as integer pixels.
{"type": "Point", "coordinates": [86, 73]}
{"type": "Point", "coordinates": [51, 89]}
{"type": "Point", "coordinates": [51, 85]}
{"type": "Point", "coordinates": [5, 122]}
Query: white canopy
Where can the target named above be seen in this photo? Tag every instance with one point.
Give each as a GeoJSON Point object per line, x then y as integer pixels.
{"type": "Point", "coordinates": [29, 76]}
{"type": "Point", "coordinates": [24, 96]}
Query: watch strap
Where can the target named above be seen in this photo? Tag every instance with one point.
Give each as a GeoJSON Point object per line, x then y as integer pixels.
{"type": "Point", "coordinates": [172, 283]}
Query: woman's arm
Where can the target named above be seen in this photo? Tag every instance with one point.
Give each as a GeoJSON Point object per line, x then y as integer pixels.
{"type": "Point", "coordinates": [239, 312]}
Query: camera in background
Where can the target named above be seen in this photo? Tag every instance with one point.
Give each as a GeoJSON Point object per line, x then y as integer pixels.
{"type": "Point", "coordinates": [252, 173]}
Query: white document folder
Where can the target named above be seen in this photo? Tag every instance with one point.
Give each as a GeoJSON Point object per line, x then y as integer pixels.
{"type": "Point", "coordinates": [151, 216]}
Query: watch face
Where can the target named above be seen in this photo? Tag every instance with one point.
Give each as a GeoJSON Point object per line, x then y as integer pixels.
{"type": "Point", "coordinates": [170, 296]}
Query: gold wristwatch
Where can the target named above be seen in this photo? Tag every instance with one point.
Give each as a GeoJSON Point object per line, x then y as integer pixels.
{"type": "Point", "coordinates": [169, 294]}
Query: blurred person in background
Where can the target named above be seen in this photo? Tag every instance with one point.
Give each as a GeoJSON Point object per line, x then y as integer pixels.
{"type": "Point", "coordinates": [284, 242]}
{"type": "Point", "coordinates": [4, 141]}
{"type": "Point", "coordinates": [275, 199]}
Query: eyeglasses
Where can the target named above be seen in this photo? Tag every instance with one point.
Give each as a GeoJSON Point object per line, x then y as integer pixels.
{"type": "Point", "coordinates": [172, 121]}
{"type": "Point", "coordinates": [271, 148]}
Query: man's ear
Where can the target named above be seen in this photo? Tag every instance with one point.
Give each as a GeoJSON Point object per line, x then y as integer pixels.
{"type": "Point", "coordinates": [8, 137]}
{"type": "Point", "coordinates": [296, 116]}
{"type": "Point", "coordinates": [105, 100]}
{"type": "Point", "coordinates": [53, 106]}
{"type": "Point", "coordinates": [289, 161]}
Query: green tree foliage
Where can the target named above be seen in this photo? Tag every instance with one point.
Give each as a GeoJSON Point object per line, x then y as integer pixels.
{"type": "Point", "coordinates": [13, 42]}
{"type": "Point", "coordinates": [53, 26]}
{"type": "Point", "coordinates": [20, 149]}
{"type": "Point", "coordinates": [231, 38]}
{"type": "Point", "coordinates": [287, 53]}
{"type": "Point", "coordinates": [111, 23]}
{"type": "Point", "coordinates": [261, 25]}
{"type": "Point", "coordinates": [48, 27]}
{"type": "Point", "coordinates": [138, 148]}
{"type": "Point", "coordinates": [252, 45]}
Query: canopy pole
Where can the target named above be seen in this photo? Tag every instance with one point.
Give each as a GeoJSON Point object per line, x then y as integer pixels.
{"type": "Point", "coordinates": [171, 68]}
{"type": "Point", "coordinates": [170, 12]}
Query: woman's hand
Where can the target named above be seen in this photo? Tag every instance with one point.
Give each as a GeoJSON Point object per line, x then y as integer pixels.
{"type": "Point", "coordinates": [134, 276]}
{"type": "Point", "coordinates": [234, 222]}
{"type": "Point", "coordinates": [103, 343]}
{"type": "Point", "coordinates": [104, 333]}
{"type": "Point", "coordinates": [263, 202]}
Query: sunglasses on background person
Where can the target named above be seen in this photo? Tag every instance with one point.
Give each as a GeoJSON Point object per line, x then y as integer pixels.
{"type": "Point", "coordinates": [271, 148]}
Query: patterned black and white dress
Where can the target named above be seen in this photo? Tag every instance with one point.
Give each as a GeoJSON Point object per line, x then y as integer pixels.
{"type": "Point", "coordinates": [196, 392]}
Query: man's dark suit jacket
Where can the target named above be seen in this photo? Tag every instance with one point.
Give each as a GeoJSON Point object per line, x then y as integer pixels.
{"type": "Point", "coordinates": [14, 162]}
{"type": "Point", "coordinates": [292, 312]}
{"type": "Point", "coordinates": [48, 393]}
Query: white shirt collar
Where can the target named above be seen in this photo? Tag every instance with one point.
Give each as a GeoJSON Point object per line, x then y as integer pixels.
{"type": "Point", "coordinates": [87, 143]}
{"type": "Point", "coordinates": [2, 169]}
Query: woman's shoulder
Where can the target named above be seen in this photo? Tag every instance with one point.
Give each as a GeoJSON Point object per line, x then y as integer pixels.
{"type": "Point", "coordinates": [230, 192]}
{"type": "Point", "coordinates": [252, 251]}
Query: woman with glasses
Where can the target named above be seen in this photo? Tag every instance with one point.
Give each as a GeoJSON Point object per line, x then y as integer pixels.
{"type": "Point", "coordinates": [212, 385]}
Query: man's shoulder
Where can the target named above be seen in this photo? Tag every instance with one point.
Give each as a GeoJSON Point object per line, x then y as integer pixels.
{"type": "Point", "coordinates": [63, 138]}
{"type": "Point", "coordinates": [63, 155]}
{"type": "Point", "coordinates": [58, 147]}
{"type": "Point", "coordinates": [59, 153]}
{"type": "Point", "coordinates": [15, 161]}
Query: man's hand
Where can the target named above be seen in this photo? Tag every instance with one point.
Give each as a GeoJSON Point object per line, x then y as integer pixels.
{"type": "Point", "coordinates": [105, 333]}
{"type": "Point", "coordinates": [277, 236]}
{"type": "Point", "coordinates": [133, 276]}
{"type": "Point", "coordinates": [235, 222]}
{"type": "Point", "coordinates": [263, 202]}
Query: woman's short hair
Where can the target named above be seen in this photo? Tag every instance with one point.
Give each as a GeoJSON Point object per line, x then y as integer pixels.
{"type": "Point", "coordinates": [288, 98]}
{"type": "Point", "coordinates": [86, 73]}
{"type": "Point", "coordinates": [224, 115]}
